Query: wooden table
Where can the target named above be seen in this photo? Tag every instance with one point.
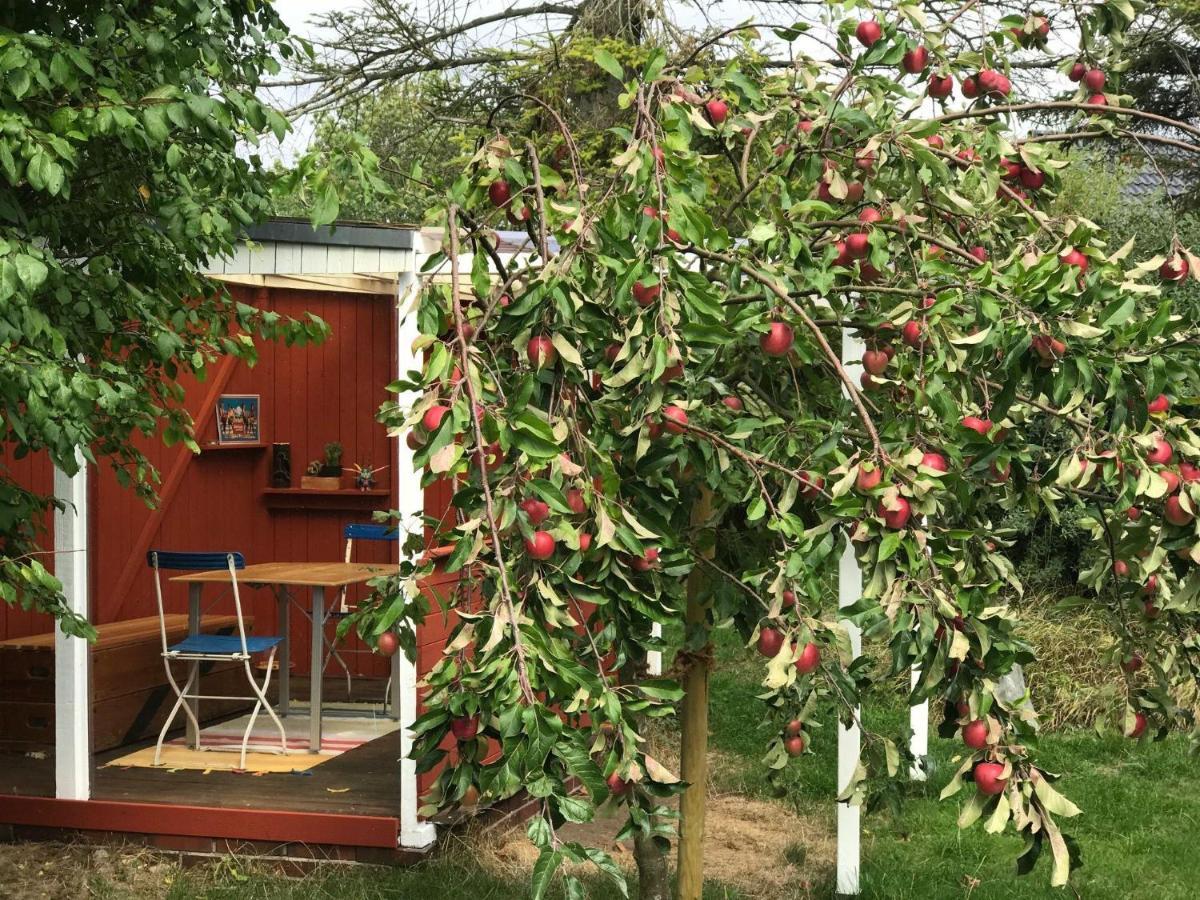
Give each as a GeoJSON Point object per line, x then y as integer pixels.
{"type": "Point", "coordinates": [280, 576]}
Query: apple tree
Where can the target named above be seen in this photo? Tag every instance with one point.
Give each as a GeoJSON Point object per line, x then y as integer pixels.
{"type": "Point", "coordinates": [648, 419]}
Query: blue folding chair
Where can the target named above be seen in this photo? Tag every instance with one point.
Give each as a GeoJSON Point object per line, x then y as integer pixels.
{"type": "Point", "coordinates": [341, 609]}
{"type": "Point", "coordinates": [198, 648]}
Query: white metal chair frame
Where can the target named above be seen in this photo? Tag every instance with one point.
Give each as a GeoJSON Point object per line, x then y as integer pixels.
{"type": "Point", "coordinates": [243, 655]}
{"type": "Point", "coordinates": [341, 607]}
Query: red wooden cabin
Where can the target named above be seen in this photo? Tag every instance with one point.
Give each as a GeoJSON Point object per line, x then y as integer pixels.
{"type": "Point", "coordinates": [69, 713]}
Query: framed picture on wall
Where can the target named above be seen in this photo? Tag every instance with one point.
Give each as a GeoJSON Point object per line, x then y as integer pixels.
{"type": "Point", "coordinates": [238, 419]}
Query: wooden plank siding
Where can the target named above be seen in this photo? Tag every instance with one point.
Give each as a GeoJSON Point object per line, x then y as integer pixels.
{"type": "Point", "coordinates": [310, 395]}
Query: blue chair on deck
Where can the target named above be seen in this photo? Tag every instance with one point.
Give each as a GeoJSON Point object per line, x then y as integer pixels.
{"type": "Point", "coordinates": [197, 648]}
{"type": "Point", "coordinates": [339, 610]}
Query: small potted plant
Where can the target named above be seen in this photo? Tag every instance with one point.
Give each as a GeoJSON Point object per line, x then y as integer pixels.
{"type": "Point", "coordinates": [325, 474]}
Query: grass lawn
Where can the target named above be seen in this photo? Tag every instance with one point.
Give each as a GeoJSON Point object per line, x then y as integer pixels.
{"type": "Point", "coordinates": [1141, 816]}
{"type": "Point", "coordinates": [1141, 812]}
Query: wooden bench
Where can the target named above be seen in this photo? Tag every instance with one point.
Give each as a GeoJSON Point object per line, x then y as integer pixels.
{"type": "Point", "coordinates": [130, 694]}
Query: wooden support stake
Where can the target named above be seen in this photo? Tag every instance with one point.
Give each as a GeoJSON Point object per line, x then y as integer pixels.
{"type": "Point", "coordinates": [694, 727]}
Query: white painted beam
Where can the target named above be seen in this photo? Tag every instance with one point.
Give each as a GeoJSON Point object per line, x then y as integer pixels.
{"type": "Point", "coordinates": [918, 745]}
{"type": "Point", "coordinates": [410, 500]}
{"type": "Point", "coordinates": [72, 738]}
{"type": "Point", "coordinates": [849, 825]}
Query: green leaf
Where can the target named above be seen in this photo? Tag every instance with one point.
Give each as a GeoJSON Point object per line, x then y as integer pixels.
{"type": "Point", "coordinates": [609, 64]}
{"type": "Point", "coordinates": [543, 873]}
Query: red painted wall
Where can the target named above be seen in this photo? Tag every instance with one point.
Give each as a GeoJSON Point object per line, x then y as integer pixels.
{"type": "Point", "coordinates": [309, 395]}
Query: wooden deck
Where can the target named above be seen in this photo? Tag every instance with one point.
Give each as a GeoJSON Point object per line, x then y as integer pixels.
{"type": "Point", "coordinates": [364, 781]}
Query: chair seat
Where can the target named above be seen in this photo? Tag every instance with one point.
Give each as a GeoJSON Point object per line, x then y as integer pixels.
{"type": "Point", "coordinates": [223, 644]}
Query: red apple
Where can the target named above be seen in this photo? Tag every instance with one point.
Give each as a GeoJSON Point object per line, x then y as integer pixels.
{"type": "Point", "coordinates": [733, 403]}
{"type": "Point", "coordinates": [1094, 79]}
{"type": "Point", "coordinates": [387, 643]}
{"type": "Point", "coordinates": [1151, 585]}
{"type": "Point", "coordinates": [1174, 512]}
{"type": "Point", "coordinates": [913, 333]}
{"type": "Point", "coordinates": [585, 542]}
{"type": "Point", "coordinates": [464, 728]}
{"type": "Point", "coordinates": [854, 191]}
{"type": "Point", "coordinates": [1033, 179]}
{"type": "Point", "coordinates": [541, 352]}
{"type": "Point", "coordinates": [793, 728]}
{"type": "Point", "coordinates": [1160, 454]}
{"type": "Point", "coordinates": [1188, 473]}
{"type": "Point", "coordinates": [858, 244]}
{"type": "Point", "coordinates": [617, 786]}
{"type": "Point", "coordinates": [1133, 513]}
{"type": "Point", "coordinates": [499, 192]}
{"type": "Point", "coordinates": [541, 545]}
{"type": "Point", "coordinates": [810, 658]}
{"type": "Point", "coordinates": [1138, 727]}
{"type": "Point", "coordinates": [970, 87]}
{"type": "Point", "coordinates": [1072, 257]}
{"type": "Point", "coordinates": [868, 32]}
{"type": "Point", "coordinates": [575, 501]}
{"type": "Point", "coordinates": [770, 641]}
{"type": "Point", "coordinates": [1174, 269]}
{"type": "Point", "coordinates": [978, 425]}
{"type": "Point", "coordinates": [717, 110]}
{"type": "Point", "coordinates": [975, 734]}
{"type": "Point", "coordinates": [935, 140]}
{"type": "Point", "coordinates": [1097, 100]}
{"type": "Point", "coordinates": [868, 479]}
{"type": "Point", "coordinates": [647, 561]}
{"type": "Point", "coordinates": [1120, 568]}
{"type": "Point", "coordinates": [896, 518]}
{"type": "Point", "coordinates": [875, 361]}
{"type": "Point", "coordinates": [778, 340]}
{"type": "Point", "coordinates": [989, 778]}
{"type": "Point", "coordinates": [433, 417]}
{"type": "Point", "coordinates": [536, 509]}
{"type": "Point", "coordinates": [939, 87]}
{"type": "Point", "coordinates": [935, 461]}
{"type": "Point", "coordinates": [1171, 479]}
{"type": "Point", "coordinates": [1150, 610]}
{"type": "Point", "coordinates": [915, 60]}
{"type": "Point", "coordinates": [1159, 404]}
{"type": "Point", "coordinates": [675, 419]}
{"type": "Point", "coordinates": [1133, 664]}
{"type": "Point", "coordinates": [980, 253]}
{"type": "Point", "coordinates": [1078, 70]}
{"type": "Point", "coordinates": [645, 294]}
{"type": "Point", "coordinates": [805, 126]}
{"type": "Point", "coordinates": [794, 745]}
{"type": "Point", "coordinates": [413, 440]}
{"type": "Point", "coordinates": [811, 484]}
{"type": "Point", "coordinates": [870, 215]}
{"type": "Point", "coordinates": [1000, 475]}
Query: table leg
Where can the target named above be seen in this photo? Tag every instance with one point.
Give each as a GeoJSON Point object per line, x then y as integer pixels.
{"type": "Point", "coordinates": [193, 736]}
{"type": "Point", "coordinates": [284, 657]}
{"type": "Point", "coordinates": [316, 675]}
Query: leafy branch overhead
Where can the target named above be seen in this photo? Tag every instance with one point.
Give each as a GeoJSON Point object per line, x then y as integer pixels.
{"type": "Point", "coordinates": [681, 324]}
{"type": "Point", "coordinates": [129, 159]}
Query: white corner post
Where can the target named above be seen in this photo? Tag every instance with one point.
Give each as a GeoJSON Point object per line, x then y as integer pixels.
{"type": "Point", "coordinates": [72, 738]}
{"type": "Point", "coordinates": [918, 743]}
{"type": "Point", "coordinates": [654, 657]}
{"type": "Point", "coordinates": [410, 500]}
{"type": "Point", "coordinates": [849, 739]}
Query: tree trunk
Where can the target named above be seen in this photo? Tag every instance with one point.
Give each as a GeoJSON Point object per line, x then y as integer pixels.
{"type": "Point", "coordinates": [654, 882]}
{"type": "Point", "coordinates": [694, 738]}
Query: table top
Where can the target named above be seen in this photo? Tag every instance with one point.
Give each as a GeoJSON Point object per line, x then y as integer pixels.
{"type": "Point", "coordinates": [297, 574]}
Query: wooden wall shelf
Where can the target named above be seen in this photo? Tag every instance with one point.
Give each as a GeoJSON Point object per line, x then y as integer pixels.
{"type": "Point", "coordinates": [346, 498]}
{"type": "Point", "coordinates": [212, 445]}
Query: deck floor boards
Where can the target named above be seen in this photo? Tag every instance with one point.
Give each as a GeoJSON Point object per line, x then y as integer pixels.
{"type": "Point", "coordinates": [362, 781]}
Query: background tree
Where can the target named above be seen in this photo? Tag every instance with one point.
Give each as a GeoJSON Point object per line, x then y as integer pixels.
{"type": "Point", "coordinates": [128, 159]}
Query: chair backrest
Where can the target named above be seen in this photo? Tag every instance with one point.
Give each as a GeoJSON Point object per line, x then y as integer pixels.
{"type": "Point", "coordinates": [363, 531]}
{"type": "Point", "coordinates": [188, 561]}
